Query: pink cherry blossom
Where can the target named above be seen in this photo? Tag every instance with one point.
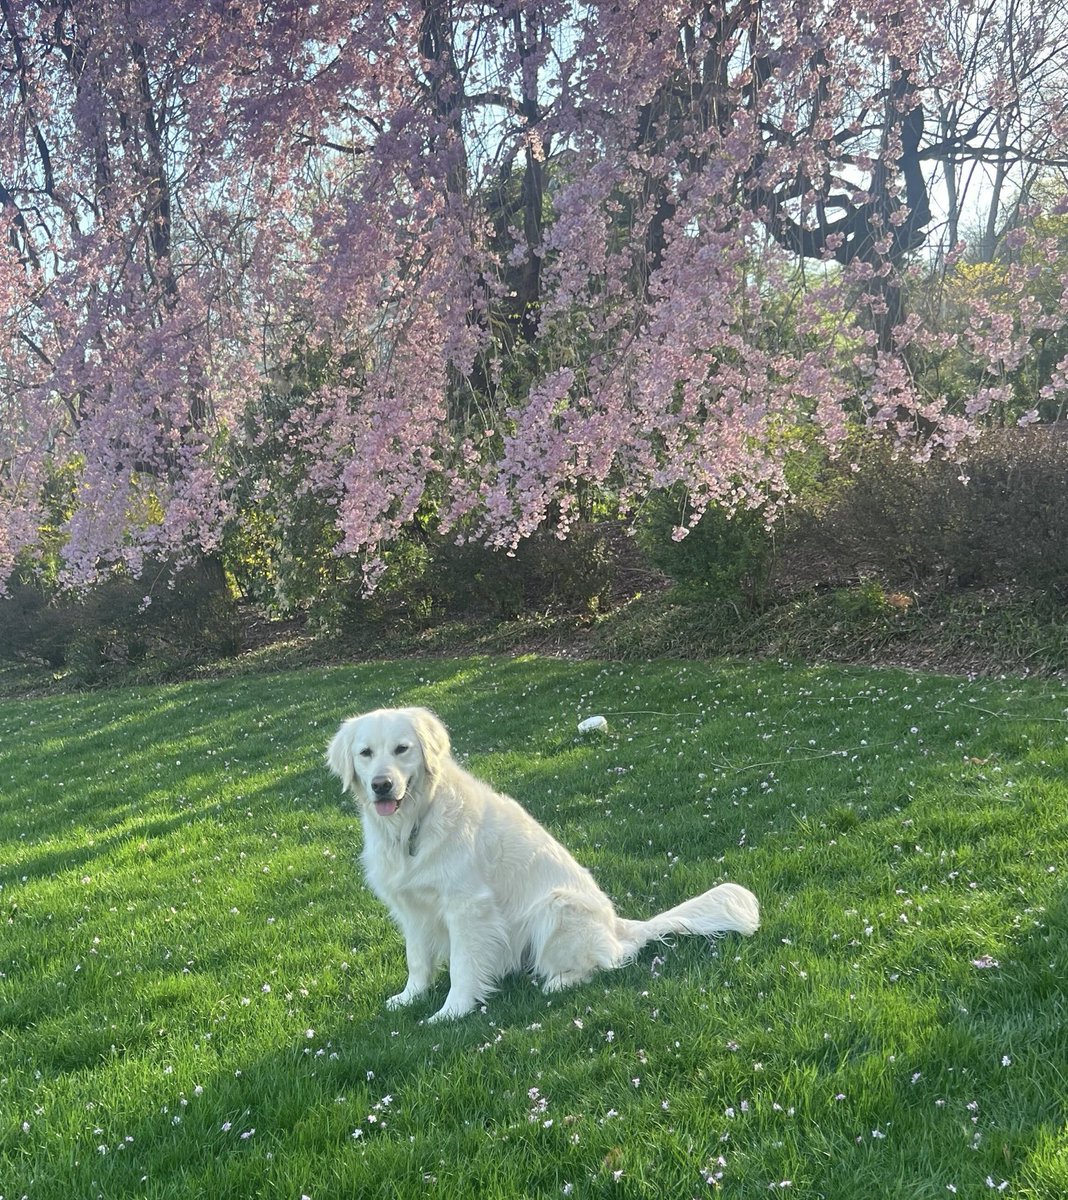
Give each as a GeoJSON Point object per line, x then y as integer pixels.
{"type": "Point", "coordinates": [474, 259]}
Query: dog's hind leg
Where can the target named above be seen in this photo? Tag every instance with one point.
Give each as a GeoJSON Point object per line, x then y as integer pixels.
{"type": "Point", "coordinates": [573, 938]}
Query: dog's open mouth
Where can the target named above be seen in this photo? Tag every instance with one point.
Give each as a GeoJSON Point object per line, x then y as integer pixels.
{"type": "Point", "coordinates": [387, 807]}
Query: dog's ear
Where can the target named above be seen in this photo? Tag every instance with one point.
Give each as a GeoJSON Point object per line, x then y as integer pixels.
{"type": "Point", "coordinates": [433, 738]}
{"type": "Point", "coordinates": [339, 754]}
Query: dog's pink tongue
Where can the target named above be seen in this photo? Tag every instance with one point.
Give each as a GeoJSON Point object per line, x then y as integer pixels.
{"type": "Point", "coordinates": [386, 807]}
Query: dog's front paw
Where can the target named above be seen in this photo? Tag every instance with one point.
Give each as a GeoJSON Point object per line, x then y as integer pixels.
{"type": "Point", "coordinates": [450, 1012]}
{"type": "Point", "coordinates": [401, 1000]}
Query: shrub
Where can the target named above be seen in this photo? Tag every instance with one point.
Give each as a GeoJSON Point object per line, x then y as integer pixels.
{"type": "Point", "coordinates": [545, 573]}
{"type": "Point", "coordinates": [428, 578]}
{"type": "Point", "coordinates": [29, 627]}
{"type": "Point", "coordinates": [723, 559]}
{"type": "Point", "coordinates": [998, 517]}
{"type": "Point", "coordinates": [110, 626]}
{"type": "Point", "coordinates": [1013, 513]}
{"type": "Point", "coordinates": [862, 604]}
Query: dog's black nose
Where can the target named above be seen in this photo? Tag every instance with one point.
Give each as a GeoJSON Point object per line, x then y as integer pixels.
{"type": "Point", "coordinates": [382, 785]}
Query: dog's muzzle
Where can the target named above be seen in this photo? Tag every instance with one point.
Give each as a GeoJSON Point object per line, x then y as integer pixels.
{"type": "Point", "coordinates": [386, 799]}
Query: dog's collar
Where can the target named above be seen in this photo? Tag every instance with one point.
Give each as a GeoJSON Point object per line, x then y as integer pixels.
{"type": "Point", "coordinates": [412, 840]}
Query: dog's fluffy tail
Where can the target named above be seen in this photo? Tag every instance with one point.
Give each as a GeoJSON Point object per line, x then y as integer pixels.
{"type": "Point", "coordinates": [727, 908]}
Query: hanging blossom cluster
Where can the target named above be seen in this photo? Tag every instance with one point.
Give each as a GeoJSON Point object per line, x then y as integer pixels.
{"type": "Point", "coordinates": [461, 262]}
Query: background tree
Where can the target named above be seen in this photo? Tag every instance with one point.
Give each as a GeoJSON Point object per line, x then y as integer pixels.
{"type": "Point", "coordinates": [998, 116]}
{"type": "Point", "coordinates": [532, 248]}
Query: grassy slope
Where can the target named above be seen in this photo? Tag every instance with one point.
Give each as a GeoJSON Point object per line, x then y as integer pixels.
{"type": "Point", "coordinates": [188, 955]}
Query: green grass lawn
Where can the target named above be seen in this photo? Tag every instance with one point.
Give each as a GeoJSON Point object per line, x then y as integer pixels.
{"type": "Point", "coordinates": [192, 975]}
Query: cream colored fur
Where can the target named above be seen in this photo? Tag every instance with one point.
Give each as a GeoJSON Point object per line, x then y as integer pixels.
{"type": "Point", "coordinates": [474, 881]}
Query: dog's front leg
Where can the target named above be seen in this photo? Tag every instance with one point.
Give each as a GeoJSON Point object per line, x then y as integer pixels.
{"type": "Point", "coordinates": [476, 944]}
{"type": "Point", "coordinates": [425, 953]}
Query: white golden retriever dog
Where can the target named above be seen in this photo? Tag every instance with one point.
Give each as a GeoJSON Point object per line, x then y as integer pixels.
{"type": "Point", "coordinates": [473, 880]}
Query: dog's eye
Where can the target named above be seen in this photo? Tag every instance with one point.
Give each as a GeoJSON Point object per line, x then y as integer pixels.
{"type": "Point", "coordinates": [366, 752]}
{"type": "Point", "coordinates": [402, 748]}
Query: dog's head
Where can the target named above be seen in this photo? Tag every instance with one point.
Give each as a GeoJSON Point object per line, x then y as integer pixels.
{"type": "Point", "coordinates": [387, 755]}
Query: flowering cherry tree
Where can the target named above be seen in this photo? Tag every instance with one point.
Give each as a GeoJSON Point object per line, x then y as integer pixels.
{"type": "Point", "coordinates": [472, 258]}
